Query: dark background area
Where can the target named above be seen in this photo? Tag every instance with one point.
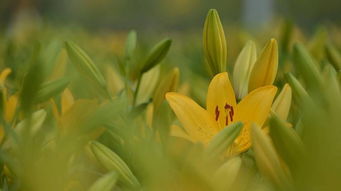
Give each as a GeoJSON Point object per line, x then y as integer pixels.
{"type": "Point", "coordinates": [172, 14]}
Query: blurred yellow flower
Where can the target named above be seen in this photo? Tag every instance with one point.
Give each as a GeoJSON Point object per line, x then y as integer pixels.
{"type": "Point", "coordinates": [222, 110]}
{"type": "Point", "coordinates": [9, 102]}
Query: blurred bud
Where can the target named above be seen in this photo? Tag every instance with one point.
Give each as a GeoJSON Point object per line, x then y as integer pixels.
{"type": "Point", "coordinates": [51, 89]}
{"type": "Point", "coordinates": [130, 45]}
{"type": "Point", "coordinates": [300, 94]}
{"type": "Point", "coordinates": [3, 75]}
{"type": "Point", "coordinates": [265, 69]}
{"type": "Point", "coordinates": [67, 100]}
{"type": "Point", "coordinates": [220, 142]}
{"type": "Point", "coordinates": [286, 141]}
{"type": "Point", "coordinates": [168, 84]}
{"type": "Point", "coordinates": [333, 56]}
{"type": "Point", "coordinates": [114, 80]}
{"type": "Point", "coordinates": [331, 82]}
{"type": "Point", "coordinates": [111, 161]}
{"type": "Point", "coordinates": [282, 103]}
{"type": "Point", "coordinates": [267, 159]}
{"type": "Point", "coordinates": [243, 68]}
{"type": "Point", "coordinates": [147, 85]}
{"type": "Point", "coordinates": [287, 33]}
{"type": "Point", "coordinates": [10, 108]}
{"type": "Point", "coordinates": [227, 173]}
{"type": "Point", "coordinates": [305, 64]}
{"type": "Point", "coordinates": [105, 183]}
{"type": "Point", "coordinates": [317, 43]}
{"type": "Point", "coordinates": [85, 65]}
{"type": "Point", "coordinates": [215, 49]}
{"type": "Point", "coordinates": [157, 54]}
{"type": "Point", "coordinates": [34, 122]}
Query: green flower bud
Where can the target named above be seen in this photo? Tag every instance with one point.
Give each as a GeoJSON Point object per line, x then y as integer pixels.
{"type": "Point", "coordinates": [168, 84]}
{"type": "Point", "coordinates": [224, 139]}
{"type": "Point", "coordinates": [333, 56]}
{"type": "Point", "coordinates": [215, 49]}
{"type": "Point", "coordinates": [157, 54]}
{"type": "Point", "coordinates": [85, 66]}
{"type": "Point", "coordinates": [267, 159]}
{"type": "Point", "coordinates": [243, 68]}
{"type": "Point", "coordinates": [286, 141]}
{"type": "Point", "coordinates": [105, 183]}
{"type": "Point", "coordinates": [300, 94]}
{"type": "Point", "coordinates": [309, 70]}
{"type": "Point", "coordinates": [111, 161]}
{"type": "Point", "coordinates": [51, 89]}
{"type": "Point", "coordinates": [227, 173]}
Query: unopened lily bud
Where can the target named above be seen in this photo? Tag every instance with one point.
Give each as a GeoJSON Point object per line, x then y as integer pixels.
{"type": "Point", "coordinates": [227, 173]}
{"type": "Point", "coordinates": [157, 54]}
{"type": "Point", "coordinates": [331, 81]}
{"type": "Point", "coordinates": [148, 83]}
{"type": "Point", "coordinates": [265, 69]}
{"type": "Point", "coordinates": [243, 68]}
{"type": "Point", "coordinates": [286, 141]}
{"type": "Point", "coordinates": [50, 89]}
{"type": "Point", "coordinates": [130, 45]}
{"type": "Point", "coordinates": [224, 139]}
{"type": "Point", "coordinates": [282, 103]}
{"type": "Point", "coordinates": [111, 161]}
{"type": "Point", "coordinates": [215, 49]}
{"type": "Point", "coordinates": [309, 70]}
{"type": "Point", "coordinates": [105, 183]}
{"type": "Point", "coordinates": [300, 94]}
{"type": "Point", "coordinates": [86, 66]}
{"type": "Point", "coordinates": [333, 56]}
{"type": "Point", "coordinates": [168, 84]}
{"type": "Point", "coordinates": [267, 159]}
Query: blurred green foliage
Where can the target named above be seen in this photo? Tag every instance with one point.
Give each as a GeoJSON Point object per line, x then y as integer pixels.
{"type": "Point", "coordinates": [84, 110]}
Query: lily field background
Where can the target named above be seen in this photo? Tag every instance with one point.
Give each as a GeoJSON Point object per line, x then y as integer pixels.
{"type": "Point", "coordinates": [170, 95]}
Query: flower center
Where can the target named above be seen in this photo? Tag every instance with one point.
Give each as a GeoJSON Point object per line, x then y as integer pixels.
{"type": "Point", "coordinates": [229, 113]}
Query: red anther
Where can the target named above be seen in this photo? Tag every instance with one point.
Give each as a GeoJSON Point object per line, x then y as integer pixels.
{"type": "Point", "coordinates": [230, 111]}
{"type": "Point", "coordinates": [216, 113]}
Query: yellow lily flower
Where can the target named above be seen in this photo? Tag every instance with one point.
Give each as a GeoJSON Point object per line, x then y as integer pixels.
{"type": "Point", "coordinates": [222, 110]}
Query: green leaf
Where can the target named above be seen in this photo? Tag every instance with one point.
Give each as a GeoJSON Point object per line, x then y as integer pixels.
{"type": "Point", "coordinates": [51, 89]}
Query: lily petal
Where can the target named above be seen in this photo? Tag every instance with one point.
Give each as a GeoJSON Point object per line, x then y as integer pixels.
{"type": "Point", "coordinates": [4, 74]}
{"type": "Point", "coordinates": [196, 120]}
{"type": "Point", "coordinates": [254, 108]}
{"type": "Point", "coordinates": [177, 131]}
{"type": "Point", "coordinates": [10, 107]}
{"type": "Point", "coordinates": [67, 100]}
{"type": "Point", "coordinates": [221, 100]}
{"type": "Point", "coordinates": [265, 69]}
{"type": "Point", "coordinates": [282, 103]}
